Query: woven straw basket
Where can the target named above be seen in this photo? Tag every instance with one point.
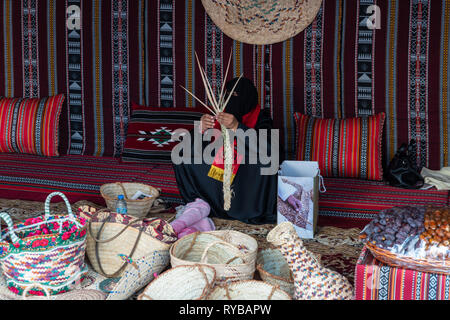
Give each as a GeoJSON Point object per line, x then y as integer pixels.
{"type": "Point", "coordinates": [76, 294]}
{"type": "Point", "coordinates": [106, 245]}
{"type": "Point", "coordinates": [248, 290]}
{"type": "Point", "coordinates": [181, 283]}
{"type": "Point", "coordinates": [273, 269]}
{"type": "Point", "coordinates": [71, 295]}
{"type": "Point", "coordinates": [399, 261]}
{"type": "Point", "coordinates": [231, 253]}
{"type": "Point", "coordinates": [57, 254]}
{"type": "Point", "coordinates": [136, 208]}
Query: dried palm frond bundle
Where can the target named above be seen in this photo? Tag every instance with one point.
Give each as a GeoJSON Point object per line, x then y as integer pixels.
{"type": "Point", "coordinates": [218, 105]}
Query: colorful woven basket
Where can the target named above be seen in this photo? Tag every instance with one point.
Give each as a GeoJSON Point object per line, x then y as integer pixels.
{"type": "Point", "coordinates": [47, 251]}
{"type": "Point", "coordinates": [37, 292]}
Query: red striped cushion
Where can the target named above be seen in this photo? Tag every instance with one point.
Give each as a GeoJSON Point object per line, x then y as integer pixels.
{"type": "Point", "coordinates": [348, 148]}
{"type": "Point", "coordinates": [30, 125]}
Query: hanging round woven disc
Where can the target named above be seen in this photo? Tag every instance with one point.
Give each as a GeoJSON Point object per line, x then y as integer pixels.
{"type": "Point", "coordinates": [262, 21]}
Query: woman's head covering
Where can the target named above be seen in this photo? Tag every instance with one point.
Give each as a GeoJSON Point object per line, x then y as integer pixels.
{"type": "Point", "coordinates": [246, 99]}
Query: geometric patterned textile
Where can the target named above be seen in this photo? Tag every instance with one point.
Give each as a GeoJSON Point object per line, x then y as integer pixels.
{"type": "Point", "coordinates": [348, 148]}
{"type": "Point", "coordinates": [150, 130]}
{"type": "Point", "coordinates": [341, 66]}
{"type": "Point", "coordinates": [30, 125]}
{"type": "Point", "coordinates": [375, 280]}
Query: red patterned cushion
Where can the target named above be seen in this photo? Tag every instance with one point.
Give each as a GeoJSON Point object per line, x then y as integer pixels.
{"type": "Point", "coordinates": [30, 125]}
{"type": "Point", "coordinates": [150, 130]}
{"type": "Point", "coordinates": [348, 148]}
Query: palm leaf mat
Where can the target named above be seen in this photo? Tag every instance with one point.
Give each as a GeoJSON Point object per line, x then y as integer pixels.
{"type": "Point", "coordinates": [339, 248]}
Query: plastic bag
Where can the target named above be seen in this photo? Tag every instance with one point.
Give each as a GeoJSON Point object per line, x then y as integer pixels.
{"type": "Point", "coordinates": [415, 232]}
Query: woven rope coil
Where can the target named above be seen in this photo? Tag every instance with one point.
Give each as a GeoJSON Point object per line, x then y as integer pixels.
{"type": "Point", "coordinates": [248, 290]}
{"type": "Point", "coordinates": [136, 208]}
{"type": "Point", "coordinates": [192, 282]}
{"type": "Point", "coordinates": [262, 22]}
{"type": "Point", "coordinates": [232, 254]}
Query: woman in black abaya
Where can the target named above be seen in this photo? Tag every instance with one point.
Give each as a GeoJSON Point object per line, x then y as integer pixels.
{"type": "Point", "coordinates": [254, 195]}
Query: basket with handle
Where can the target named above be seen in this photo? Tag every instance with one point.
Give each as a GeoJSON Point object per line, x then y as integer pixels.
{"type": "Point", "coordinates": [38, 292]}
{"type": "Point", "coordinates": [42, 291]}
{"type": "Point", "coordinates": [231, 260]}
{"type": "Point", "coordinates": [181, 283]}
{"type": "Point", "coordinates": [274, 269]}
{"type": "Point", "coordinates": [248, 290]}
{"type": "Point", "coordinates": [136, 208]}
{"type": "Point", "coordinates": [112, 235]}
{"type": "Point", "coordinates": [48, 250]}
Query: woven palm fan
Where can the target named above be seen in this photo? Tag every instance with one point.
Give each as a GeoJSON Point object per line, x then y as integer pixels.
{"type": "Point", "coordinates": [218, 105]}
{"type": "Point", "coordinates": [262, 21]}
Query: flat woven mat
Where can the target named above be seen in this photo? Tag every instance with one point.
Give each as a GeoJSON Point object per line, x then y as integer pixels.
{"type": "Point", "coordinates": [339, 248]}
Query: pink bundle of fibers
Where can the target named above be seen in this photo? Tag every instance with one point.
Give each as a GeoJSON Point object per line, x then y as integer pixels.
{"type": "Point", "coordinates": [193, 219]}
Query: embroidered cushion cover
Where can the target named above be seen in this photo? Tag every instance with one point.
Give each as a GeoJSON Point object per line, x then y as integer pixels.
{"type": "Point", "coordinates": [347, 148]}
{"type": "Point", "coordinates": [30, 125]}
{"type": "Point", "coordinates": [150, 130]}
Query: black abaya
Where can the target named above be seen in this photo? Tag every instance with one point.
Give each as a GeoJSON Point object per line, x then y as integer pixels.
{"type": "Point", "coordinates": [255, 196]}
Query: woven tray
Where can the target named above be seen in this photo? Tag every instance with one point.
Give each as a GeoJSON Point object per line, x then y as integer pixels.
{"type": "Point", "coordinates": [399, 261]}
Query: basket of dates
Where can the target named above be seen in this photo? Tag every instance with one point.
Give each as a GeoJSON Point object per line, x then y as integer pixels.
{"type": "Point", "coordinates": [416, 238]}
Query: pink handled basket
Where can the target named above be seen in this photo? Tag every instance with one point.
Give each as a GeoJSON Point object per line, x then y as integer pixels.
{"type": "Point", "coordinates": [48, 251]}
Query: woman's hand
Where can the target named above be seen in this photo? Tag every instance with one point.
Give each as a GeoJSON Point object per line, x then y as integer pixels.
{"type": "Point", "coordinates": [294, 203]}
{"type": "Point", "coordinates": [207, 122]}
{"type": "Point", "coordinates": [228, 120]}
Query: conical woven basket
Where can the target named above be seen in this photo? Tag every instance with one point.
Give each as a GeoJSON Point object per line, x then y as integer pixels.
{"type": "Point", "coordinates": [273, 269]}
{"type": "Point", "coordinates": [231, 253]}
{"type": "Point", "coordinates": [136, 208]}
{"type": "Point", "coordinates": [181, 283]}
{"type": "Point", "coordinates": [106, 257]}
{"type": "Point", "coordinates": [248, 290]}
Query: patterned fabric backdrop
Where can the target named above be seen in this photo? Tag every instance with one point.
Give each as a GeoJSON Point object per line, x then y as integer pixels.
{"type": "Point", "coordinates": [143, 50]}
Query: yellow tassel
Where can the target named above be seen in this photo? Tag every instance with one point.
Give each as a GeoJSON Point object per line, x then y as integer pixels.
{"type": "Point", "coordinates": [217, 174]}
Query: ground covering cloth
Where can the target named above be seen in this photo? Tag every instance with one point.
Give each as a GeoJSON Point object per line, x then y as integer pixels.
{"type": "Point", "coordinates": [339, 248]}
{"type": "Point", "coordinates": [340, 66]}
{"type": "Point", "coordinates": [348, 203]}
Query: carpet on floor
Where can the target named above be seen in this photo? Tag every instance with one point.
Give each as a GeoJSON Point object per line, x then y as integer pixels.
{"type": "Point", "coordinates": [339, 248]}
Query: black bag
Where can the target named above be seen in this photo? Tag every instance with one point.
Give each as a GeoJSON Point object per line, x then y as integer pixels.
{"type": "Point", "coordinates": [402, 171]}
